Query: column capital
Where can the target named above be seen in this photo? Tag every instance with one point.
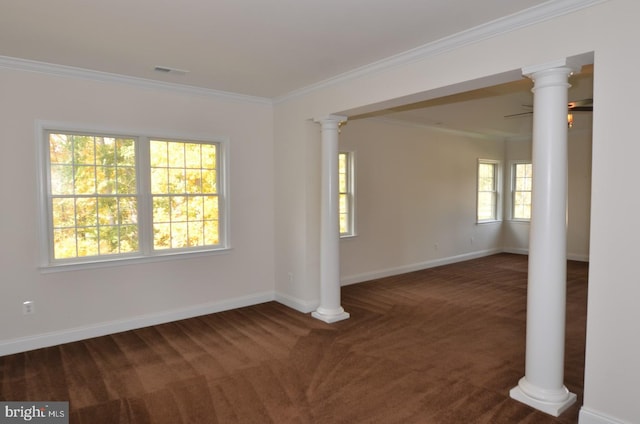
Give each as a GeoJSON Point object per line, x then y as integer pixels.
{"type": "Point", "coordinates": [531, 70]}
{"type": "Point", "coordinates": [330, 121]}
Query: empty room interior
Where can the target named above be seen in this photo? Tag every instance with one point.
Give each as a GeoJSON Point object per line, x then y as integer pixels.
{"type": "Point", "coordinates": [320, 213]}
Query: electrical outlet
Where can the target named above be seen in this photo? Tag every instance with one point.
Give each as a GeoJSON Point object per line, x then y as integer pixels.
{"type": "Point", "coordinates": [28, 307]}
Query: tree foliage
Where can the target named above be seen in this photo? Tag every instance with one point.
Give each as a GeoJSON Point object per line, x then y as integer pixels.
{"type": "Point", "coordinates": [94, 194]}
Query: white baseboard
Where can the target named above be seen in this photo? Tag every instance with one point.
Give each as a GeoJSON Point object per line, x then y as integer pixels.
{"type": "Point", "coordinates": [23, 344]}
{"type": "Point", "coordinates": [516, 250]}
{"type": "Point", "coordinates": [591, 417]}
{"type": "Point", "coordinates": [580, 257]}
{"type": "Point", "coordinates": [294, 303]}
{"type": "Point", "coordinates": [388, 272]}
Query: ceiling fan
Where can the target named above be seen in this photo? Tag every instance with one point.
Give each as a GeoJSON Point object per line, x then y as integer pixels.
{"type": "Point", "coordinates": [584, 105]}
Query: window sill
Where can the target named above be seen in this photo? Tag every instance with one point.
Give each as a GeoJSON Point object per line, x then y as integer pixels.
{"type": "Point", "coordinates": [131, 260]}
{"type": "Point", "coordinates": [493, 221]}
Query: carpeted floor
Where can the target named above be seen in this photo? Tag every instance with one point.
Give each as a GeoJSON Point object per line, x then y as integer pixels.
{"type": "Point", "coordinates": [443, 345]}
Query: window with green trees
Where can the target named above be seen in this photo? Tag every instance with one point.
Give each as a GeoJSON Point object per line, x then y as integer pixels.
{"type": "Point", "coordinates": [111, 196]}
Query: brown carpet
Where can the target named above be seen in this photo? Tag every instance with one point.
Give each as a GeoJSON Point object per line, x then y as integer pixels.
{"type": "Point", "coordinates": [443, 345]}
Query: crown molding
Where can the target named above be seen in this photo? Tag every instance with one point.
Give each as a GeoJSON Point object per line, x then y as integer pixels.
{"type": "Point", "coordinates": [534, 15]}
{"type": "Point", "coordinates": [88, 74]}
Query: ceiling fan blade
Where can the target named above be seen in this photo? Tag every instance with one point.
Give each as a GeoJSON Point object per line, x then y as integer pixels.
{"type": "Point", "coordinates": [515, 115]}
{"type": "Point", "coordinates": [584, 105]}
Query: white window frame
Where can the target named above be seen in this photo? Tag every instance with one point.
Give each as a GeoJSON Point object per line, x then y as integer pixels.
{"type": "Point", "coordinates": [512, 204]}
{"type": "Point", "coordinates": [497, 190]}
{"type": "Point", "coordinates": [146, 251]}
{"type": "Point", "coordinates": [350, 193]}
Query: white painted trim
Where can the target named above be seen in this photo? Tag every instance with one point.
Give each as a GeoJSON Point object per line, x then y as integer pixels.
{"type": "Point", "coordinates": [534, 15]}
{"type": "Point", "coordinates": [588, 416]}
{"type": "Point", "coordinates": [23, 344]}
{"type": "Point", "coordinates": [516, 250]}
{"type": "Point", "coordinates": [299, 305]}
{"type": "Point", "coordinates": [88, 74]}
{"type": "Point", "coordinates": [581, 257]}
{"type": "Point", "coordinates": [388, 272]}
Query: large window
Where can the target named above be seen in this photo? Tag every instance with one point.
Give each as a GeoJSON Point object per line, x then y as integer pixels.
{"type": "Point", "coordinates": [521, 191]}
{"type": "Point", "coordinates": [346, 188]}
{"type": "Point", "coordinates": [111, 196]}
{"type": "Point", "coordinates": [488, 194]}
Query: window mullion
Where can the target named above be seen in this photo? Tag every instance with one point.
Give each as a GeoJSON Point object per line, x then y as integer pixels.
{"type": "Point", "coordinates": [145, 209]}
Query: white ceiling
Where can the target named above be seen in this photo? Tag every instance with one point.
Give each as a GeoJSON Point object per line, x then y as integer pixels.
{"type": "Point", "coordinates": [252, 47]}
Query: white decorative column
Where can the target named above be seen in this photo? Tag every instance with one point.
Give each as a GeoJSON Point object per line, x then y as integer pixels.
{"type": "Point", "coordinates": [330, 310]}
{"type": "Point", "coordinates": [542, 386]}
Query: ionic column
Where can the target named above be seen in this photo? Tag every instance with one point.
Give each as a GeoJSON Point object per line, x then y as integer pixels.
{"type": "Point", "coordinates": [330, 310]}
{"type": "Point", "coordinates": [542, 386]}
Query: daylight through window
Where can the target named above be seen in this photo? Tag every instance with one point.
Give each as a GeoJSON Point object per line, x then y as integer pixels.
{"type": "Point", "coordinates": [345, 186]}
{"type": "Point", "coordinates": [104, 202]}
{"type": "Point", "coordinates": [522, 178]}
{"type": "Point", "coordinates": [487, 206]}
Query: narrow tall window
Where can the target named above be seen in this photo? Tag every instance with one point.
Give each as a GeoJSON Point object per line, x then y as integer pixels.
{"type": "Point", "coordinates": [113, 197]}
{"type": "Point", "coordinates": [521, 191]}
{"type": "Point", "coordinates": [345, 188]}
{"type": "Point", "coordinates": [487, 205]}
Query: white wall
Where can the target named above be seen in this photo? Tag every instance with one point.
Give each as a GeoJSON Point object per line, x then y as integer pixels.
{"type": "Point", "coordinates": [610, 30]}
{"type": "Point", "coordinates": [416, 199]}
{"type": "Point", "coordinates": [83, 303]}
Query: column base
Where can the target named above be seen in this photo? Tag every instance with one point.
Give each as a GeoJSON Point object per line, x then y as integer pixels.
{"type": "Point", "coordinates": [551, 403]}
{"type": "Point", "coordinates": [330, 316]}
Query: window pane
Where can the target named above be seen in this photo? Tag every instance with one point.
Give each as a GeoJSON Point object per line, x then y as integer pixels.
{"type": "Point", "coordinates": [486, 209]}
{"type": "Point", "coordinates": [61, 179]}
{"type": "Point", "coordinates": [87, 174]}
{"type": "Point", "coordinates": [161, 236]}
{"type": "Point", "coordinates": [106, 179]}
{"type": "Point", "coordinates": [176, 155]}
{"type": "Point", "coordinates": [209, 156]}
{"type": "Point", "coordinates": [158, 153]}
{"type": "Point", "coordinates": [211, 232]}
{"type": "Point", "coordinates": [64, 212]}
{"type": "Point", "coordinates": [84, 150]}
{"type": "Point", "coordinates": [60, 149]}
{"type": "Point", "coordinates": [176, 181]}
{"type": "Point", "coordinates": [522, 190]}
{"type": "Point", "coordinates": [192, 216]}
{"type": "Point", "coordinates": [85, 180]}
{"type": "Point", "coordinates": [345, 189]}
{"type": "Point", "coordinates": [126, 152]}
{"type": "Point", "coordinates": [64, 243]}
{"type": "Point", "coordinates": [193, 156]}
{"type": "Point", "coordinates": [194, 181]}
{"type": "Point", "coordinates": [209, 181]}
{"type": "Point", "coordinates": [86, 212]}
{"type": "Point", "coordinates": [159, 180]}
{"type": "Point", "coordinates": [179, 236]}
{"type": "Point", "coordinates": [126, 180]}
